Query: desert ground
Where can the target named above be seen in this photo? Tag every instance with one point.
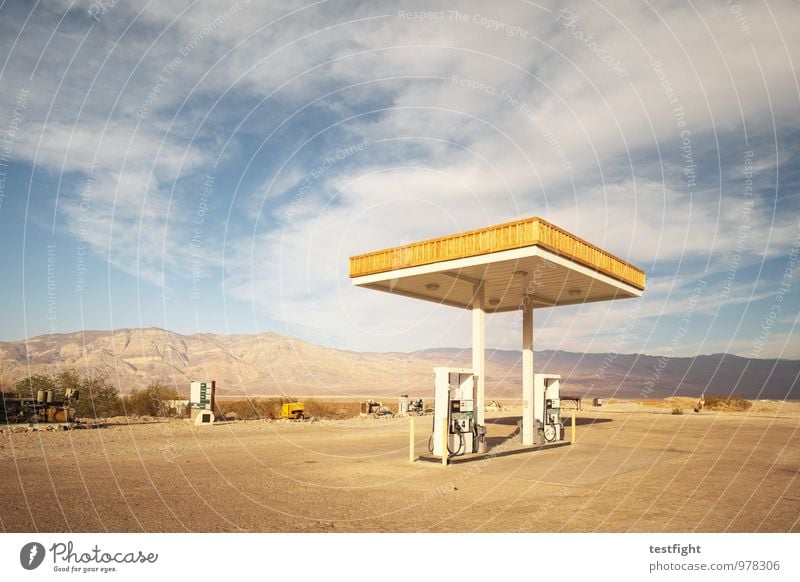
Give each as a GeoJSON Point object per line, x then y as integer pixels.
{"type": "Point", "coordinates": [635, 467]}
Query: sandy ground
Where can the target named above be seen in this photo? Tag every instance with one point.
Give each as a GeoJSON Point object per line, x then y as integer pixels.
{"type": "Point", "coordinates": [635, 467]}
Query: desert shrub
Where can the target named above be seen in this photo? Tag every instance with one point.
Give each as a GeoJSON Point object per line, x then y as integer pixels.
{"type": "Point", "coordinates": [252, 408]}
{"type": "Point", "coordinates": [243, 409]}
{"type": "Point", "coordinates": [149, 401]}
{"type": "Point", "coordinates": [729, 403]}
{"type": "Point", "coordinates": [68, 379]}
{"type": "Point", "coordinates": [27, 387]}
{"type": "Point", "coordinates": [139, 403]}
{"type": "Point", "coordinates": [98, 399]}
{"type": "Point", "coordinates": [331, 409]}
{"type": "Point", "coordinates": [261, 408]}
{"type": "Point", "coordinates": [677, 410]}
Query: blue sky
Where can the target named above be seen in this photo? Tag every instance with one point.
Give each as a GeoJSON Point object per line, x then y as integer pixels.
{"type": "Point", "coordinates": [210, 166]}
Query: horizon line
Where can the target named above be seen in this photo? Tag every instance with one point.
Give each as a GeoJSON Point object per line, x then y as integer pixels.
{"type": "Point", "coordinates": [411, 352]}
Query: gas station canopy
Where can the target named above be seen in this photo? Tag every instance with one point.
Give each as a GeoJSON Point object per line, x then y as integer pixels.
{"type": "Point", "coordinates": [526, 258]}
{"type": "Point", "coordinates": [521, 265]}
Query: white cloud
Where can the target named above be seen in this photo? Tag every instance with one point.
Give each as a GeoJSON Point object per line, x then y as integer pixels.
{"type": "Point", "coordinates": [465, 125]}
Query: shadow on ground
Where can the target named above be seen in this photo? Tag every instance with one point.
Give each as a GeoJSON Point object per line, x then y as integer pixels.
{"type": "Point", "coordinates": [514, 420]}
{"type": "Point", "coordinates": [493, 452]}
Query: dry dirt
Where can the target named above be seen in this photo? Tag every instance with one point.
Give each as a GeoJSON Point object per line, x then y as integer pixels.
{"type": "Point", "coordinates": [635, 467]}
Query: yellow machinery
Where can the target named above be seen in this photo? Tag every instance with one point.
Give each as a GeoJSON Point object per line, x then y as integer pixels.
{"type": "Point", "coordinates": [293, 410]}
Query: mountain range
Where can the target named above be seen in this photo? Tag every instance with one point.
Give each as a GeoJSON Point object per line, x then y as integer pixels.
{"type": "Point", "coordinates": [272, 364]}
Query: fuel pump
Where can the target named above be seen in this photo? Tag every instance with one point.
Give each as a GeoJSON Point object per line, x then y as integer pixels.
{"type": "Point", "coordinates": [547, 405]}
{"type": "Point", "coordinates": [552, 419]}
{"type": "Point", "coordinates": [454, 392]}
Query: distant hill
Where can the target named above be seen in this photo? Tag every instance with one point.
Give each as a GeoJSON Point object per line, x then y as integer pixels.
{"type": "Point", "coordinates": [638, 375]}
{"type": "Point", "coordinates": [275, 364]}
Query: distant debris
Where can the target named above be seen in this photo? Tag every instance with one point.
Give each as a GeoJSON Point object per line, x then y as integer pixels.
{"type": "Point", "coordinates": [406, 405]}
{"type": "Point", "coordinates": [374, 408]}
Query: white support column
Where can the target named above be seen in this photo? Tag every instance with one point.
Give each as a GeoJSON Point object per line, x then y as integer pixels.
{"type": "Point", "coordinates": [478, 350]}
{"type": "Point", "coordinates": [527, 372]}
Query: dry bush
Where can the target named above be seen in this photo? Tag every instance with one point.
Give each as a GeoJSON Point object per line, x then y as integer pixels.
{"type": "Point", "coordinates": [263, 408]}
{"type": "Point", "coordinates": [677, 410]}
{"type": "Point", "coordinates": [331, 409]}
{"type": "Point", "coordinates": [149, 401]}
{"type": "Point", "coordinates": [99, 398]}
{"type": "Point", "coordinates": [28, 387]}
{"type": "Point", "coordinates": [727, 403]}
{"type": "Point", "coordinates": [253, 408]}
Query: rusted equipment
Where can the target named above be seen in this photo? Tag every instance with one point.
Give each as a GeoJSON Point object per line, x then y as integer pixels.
{"type": "Point", "coordinates": [406, 405]}
{"type": "Point", "coordinates": [44, 406]}
{"type": "Point", "coordinates": [374, 408]}
{"type": "Point", "coordinates": [578, 400]}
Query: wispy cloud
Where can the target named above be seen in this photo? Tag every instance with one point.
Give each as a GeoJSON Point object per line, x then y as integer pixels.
{"type": "Point", "coordinates": [329, 131]}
